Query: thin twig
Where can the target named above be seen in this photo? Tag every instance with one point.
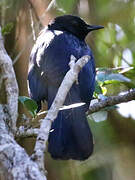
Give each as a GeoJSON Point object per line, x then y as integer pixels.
{"type": "Point", "coordinates": [32, 23]}
{"type": "Point", "coordinates": [25, 133]}
{"type": "Point", "coordinates": [23, 49]}
{"type": "Point", "coordinates": [33, 33]}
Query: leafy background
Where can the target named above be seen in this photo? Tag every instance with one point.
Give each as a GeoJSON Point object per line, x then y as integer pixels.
{"type": "Point", "coordinates": [114, 51]}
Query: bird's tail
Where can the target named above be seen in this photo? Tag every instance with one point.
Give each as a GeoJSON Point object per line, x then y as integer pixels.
{"type": "Point", "coordinates": [70, 136]}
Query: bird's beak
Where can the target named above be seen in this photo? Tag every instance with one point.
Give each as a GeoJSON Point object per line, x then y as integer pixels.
{"type": "Point", "coordinates": [94, 27]}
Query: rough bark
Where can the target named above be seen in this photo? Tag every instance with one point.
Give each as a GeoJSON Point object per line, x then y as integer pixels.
{"type": "Point", "coordinates": [113, 100]}
{"type": "Point", "coordinates": [14, 161]}
{"type": "Point", "coordinates": [8, 89]}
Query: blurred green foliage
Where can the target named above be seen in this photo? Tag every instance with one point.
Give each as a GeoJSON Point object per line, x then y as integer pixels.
{"type": "Point", "coordinates": [7, 28]}
{"type": "Point", "coordinates": [66, 7]}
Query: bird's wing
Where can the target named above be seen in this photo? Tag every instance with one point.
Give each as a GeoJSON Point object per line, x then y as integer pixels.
{"type": "Point", "coordinates": [87, 77]}
{"type": "Point", "coordinates": [49, 62]}
{"type": "Point", "coordinates": [37, 84]}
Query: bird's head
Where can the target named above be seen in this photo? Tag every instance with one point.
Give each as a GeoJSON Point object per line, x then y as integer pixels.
{"type": "Point", "coordinates": [74, 25]}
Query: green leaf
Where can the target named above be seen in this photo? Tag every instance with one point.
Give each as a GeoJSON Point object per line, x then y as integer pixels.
{"type": "Point", "coordinates": [7, 28]}
{"type": "Point", "coordinates": [104, 90]}
{"type": "Point", "coordinates": [111, 82]}
{"type": "Point", "coordinates": [29, 104]}
{"type": "Point", "coordinates": [98, 89]}
{"type": "Point", "coordinates": [128, 84]}
{"type": "Point", "coordinates": [113, 76]}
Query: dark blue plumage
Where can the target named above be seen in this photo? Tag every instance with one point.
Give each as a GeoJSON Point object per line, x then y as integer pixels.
{"type": "Point", "coordinates": [71, 137]}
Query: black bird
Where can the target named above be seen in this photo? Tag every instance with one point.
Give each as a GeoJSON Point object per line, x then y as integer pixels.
{"type": "Point", "coordinates": [71, 137]}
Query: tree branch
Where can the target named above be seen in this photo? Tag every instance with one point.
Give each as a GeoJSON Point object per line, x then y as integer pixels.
{"type": "Point", "coordinates": [113, 100]}
{"type": "Point", "coordinates": [45, 127]}
{"type": "Point", "coordinates": [110, 101]}
{"type": "Point", "coordinates": [14, 161]}
{"type": "Point", "coordinates": [25, 133]}
{"type": "Point", "coordinates": [8, 89]}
